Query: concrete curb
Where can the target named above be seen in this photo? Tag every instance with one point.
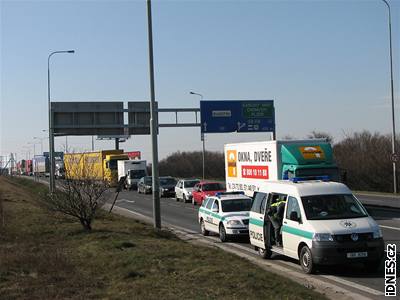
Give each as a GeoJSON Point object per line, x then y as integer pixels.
{"type": "Point", "coordinates": [329, 290]}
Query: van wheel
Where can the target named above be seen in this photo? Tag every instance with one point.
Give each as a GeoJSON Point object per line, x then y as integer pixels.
{"type": "Point", "coordinates": [184, 198]}
{"type": "Point", "coordinates": [264, 253]}
{"type": "Point", "coordinates": [222, 234]}
{"type": "Point", "coordinates": [306, 260]}
{"type": "Point", "coordinates": [203, 229]}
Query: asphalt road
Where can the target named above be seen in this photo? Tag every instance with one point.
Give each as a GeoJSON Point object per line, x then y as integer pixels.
{"type": "Point", "coordinates": [350, 277]}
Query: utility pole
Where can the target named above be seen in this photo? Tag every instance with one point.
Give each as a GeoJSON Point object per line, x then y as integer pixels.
{"type": "Point", "coordinates": [394, 156]}
{"type": "Point", "coordinates": [51, 129]}
{"type": "Point", "coordinates": [202, 137]}
{"type": "Point", "coordinates": [153, 126]}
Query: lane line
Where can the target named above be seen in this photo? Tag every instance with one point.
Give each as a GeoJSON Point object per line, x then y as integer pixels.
{"type": "Point", "coordinates": [125, 200]}
{"type": "Point", "coordinates": [389, 227]}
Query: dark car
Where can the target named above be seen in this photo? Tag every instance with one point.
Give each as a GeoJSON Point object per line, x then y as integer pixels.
{"type": "Point", "coordinates": [167, 186]}
{"type": "Point", "coordinates": [145, 185]}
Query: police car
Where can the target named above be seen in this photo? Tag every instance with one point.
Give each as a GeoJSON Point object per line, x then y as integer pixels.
{"type": "Point", "coordinates": [226, 213]}
{"type": "Point", "coordinates": [323, 224]}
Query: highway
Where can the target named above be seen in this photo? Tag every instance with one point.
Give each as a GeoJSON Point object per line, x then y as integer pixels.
{"type": "Point", "coordinates": [353, 278]}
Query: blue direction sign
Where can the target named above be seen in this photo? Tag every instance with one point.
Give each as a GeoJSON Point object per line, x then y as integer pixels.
{"type": "Point", "coordinates": [239, 116]}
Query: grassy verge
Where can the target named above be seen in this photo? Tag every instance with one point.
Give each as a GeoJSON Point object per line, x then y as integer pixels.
{"type": "Point", "coordinates": [43, 256]}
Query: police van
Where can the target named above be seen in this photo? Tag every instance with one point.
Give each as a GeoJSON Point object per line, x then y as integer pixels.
{"type": "Point", "coordinates": [323, 224]}
{"type": "Point", "coordinates": [226, 213]}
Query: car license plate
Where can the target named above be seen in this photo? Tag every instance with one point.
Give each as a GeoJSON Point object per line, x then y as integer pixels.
{"type": "Point", "coordinates": [357, 254]}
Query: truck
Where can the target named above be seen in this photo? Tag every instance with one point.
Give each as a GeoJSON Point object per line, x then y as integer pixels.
{"type": "Point", "coordinates": [41, 163]}
{"type": "Point", "coordinates": [99, 165]}
{"type": "Point", "coordinates": [249, 166]}
{"type": "Point", "coordinates": [28, 167]}
{"type": "Point", "coordinates": [134, 155]}
{"type": "Point", "coordinates": [134, 170]}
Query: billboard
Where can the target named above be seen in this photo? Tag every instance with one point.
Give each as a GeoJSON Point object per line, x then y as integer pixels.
{"type": "Point", "coordinates": [88, 118]}
{"type": "Point", "coordinates": [139, 117]}
{"type": "Point", "coordinates": [237, 116]}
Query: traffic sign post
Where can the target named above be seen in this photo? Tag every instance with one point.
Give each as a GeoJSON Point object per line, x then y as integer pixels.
{"type": "Point", "coordinates": [237, 116]}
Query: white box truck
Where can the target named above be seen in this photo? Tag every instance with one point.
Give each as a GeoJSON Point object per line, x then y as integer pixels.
{"type": "Point", "coordinates": [248, 166]}
{"type": "Point", "coordinates": [134, 170]}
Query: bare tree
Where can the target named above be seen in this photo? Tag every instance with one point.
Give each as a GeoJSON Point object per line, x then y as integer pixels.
{"type": "Point", "coordinates": [81, 194]}
{"type": "Point", "coordinates": [320, 135]}
{"type": "Point", "coordinates": [2, 220]}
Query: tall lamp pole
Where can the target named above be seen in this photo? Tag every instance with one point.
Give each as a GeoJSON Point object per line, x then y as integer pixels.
{"type": "Point", "coordinates": [41, 142]}
{"type": "Point", "coordinates": [153, 126]}
{"type": "Point", "coordinates": [394, 156]}
{"type": "Point", "coordinates": [202, 136]}
{"type": "Point", "coordinates": [51, 133]}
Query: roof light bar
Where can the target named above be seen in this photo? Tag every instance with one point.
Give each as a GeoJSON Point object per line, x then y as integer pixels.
{"type": "Point", "coordinates": [229, 193]}
{"type": "Point", "coordinates": [300, 179]}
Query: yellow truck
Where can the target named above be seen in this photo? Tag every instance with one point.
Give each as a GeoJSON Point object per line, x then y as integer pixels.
{"type": "Point", "coordinates": [99, 165]}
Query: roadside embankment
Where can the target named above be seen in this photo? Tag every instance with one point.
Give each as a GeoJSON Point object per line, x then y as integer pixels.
{"type": "Point", "coordinates": [45, 255]}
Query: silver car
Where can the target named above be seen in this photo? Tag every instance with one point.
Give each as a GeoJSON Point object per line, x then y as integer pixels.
{"type": "Point", "coordinates": [184, 188]}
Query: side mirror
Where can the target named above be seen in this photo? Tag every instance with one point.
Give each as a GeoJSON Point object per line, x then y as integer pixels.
{"type": "Point", "coordinates": [294, 216]}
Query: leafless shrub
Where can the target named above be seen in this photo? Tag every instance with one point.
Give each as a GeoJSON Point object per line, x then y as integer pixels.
{"type": "Point", "coordinates": [320, 135]}
{"type": "Point", "coordinates": [365, 158]}
{"type": "Point", "coordinates": [2, 219]}
{"type": "Point", "coordinates": [190, 164]}
{"type": "Point", "coordinates": [80, 195]}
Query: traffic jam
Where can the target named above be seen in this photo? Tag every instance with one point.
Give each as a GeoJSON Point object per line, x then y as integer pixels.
{"type": "Point", "coordinates": [286, 197]}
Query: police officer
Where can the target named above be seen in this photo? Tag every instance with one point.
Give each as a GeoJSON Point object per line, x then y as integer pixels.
{"type": "Point", "coordinates": [275, 214]}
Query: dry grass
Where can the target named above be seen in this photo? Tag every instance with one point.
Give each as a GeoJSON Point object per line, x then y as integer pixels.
{"type": "Point", "coordinates": [43, 256]}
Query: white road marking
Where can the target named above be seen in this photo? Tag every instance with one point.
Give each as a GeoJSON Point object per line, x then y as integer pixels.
{"type": "Point", "coordinates": [389, 227]}
{"type": "Point", "coordinates": [125, 200]}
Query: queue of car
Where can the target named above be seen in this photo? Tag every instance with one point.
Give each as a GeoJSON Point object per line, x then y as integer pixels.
{"type": "Point", "coordinates": [322, 224]}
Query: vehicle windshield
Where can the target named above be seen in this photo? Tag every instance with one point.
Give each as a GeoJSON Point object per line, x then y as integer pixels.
{"type": "Point", "coordinates": [113, 164]}
{"type": "Point", "coordinates": [190, 183]}
{"type": "Point", "coordinates": [236, 205]}
{"type": "Point", "coordinates": [137, 174]}
{"type": "Point", "coordinates": [213, 187]}
{"type": "Point", "coordinates": [148, 180]}
{"type": "Point", "coordinates": [337, 206]}
{"type": "Point", "coordinates": [167, 181]}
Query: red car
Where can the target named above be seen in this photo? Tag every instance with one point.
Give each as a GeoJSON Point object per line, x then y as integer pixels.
{"type": "Point", "coordinates": [204, 189]}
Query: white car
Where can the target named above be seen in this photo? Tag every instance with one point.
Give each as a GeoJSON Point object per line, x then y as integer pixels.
{"type": "Point", "coordinates": [184, 188]}
{"type": "Point", "coordinates": [322, 224]}
{"type": "Point", "coordinates": [226, 213]}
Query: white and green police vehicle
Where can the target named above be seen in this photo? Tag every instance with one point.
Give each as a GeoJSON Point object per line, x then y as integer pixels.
{"type": "Point", "coordinates": [323, 224]}
{"type": "Point", "coordinates": [226, 213]}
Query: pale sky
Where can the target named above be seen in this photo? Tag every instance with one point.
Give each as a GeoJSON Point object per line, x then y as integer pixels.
{"type": "Point", "coordinates": [324, 63]}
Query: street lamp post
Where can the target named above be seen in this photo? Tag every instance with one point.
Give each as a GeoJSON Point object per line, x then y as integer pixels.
{"type": "Point", "coordinates": [153, 126]}
{"type": "Point", "coordinates": [51, 133]}
{"type": "Point", "coordinates": [202, 138]}
{"type": "Point", "coordinates": [392, 94]}
{"type": "Point", "coordinates": [41, 142]}
{"type": "Point", "coordinates": [34, 147]}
